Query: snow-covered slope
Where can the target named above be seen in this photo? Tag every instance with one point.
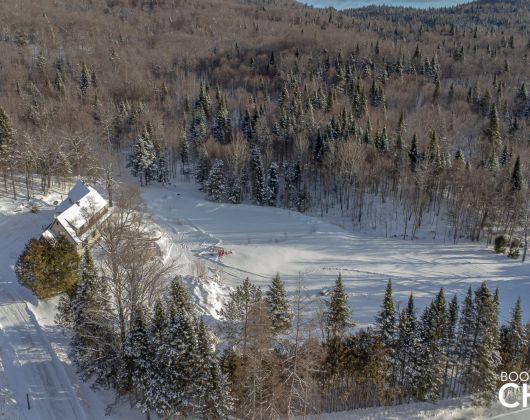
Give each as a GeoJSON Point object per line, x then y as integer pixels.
{"type": "Point", "coordinates": [267, 240]}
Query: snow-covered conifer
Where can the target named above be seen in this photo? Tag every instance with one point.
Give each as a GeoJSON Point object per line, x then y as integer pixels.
{"type": "Point", "coordinates": [278, 304]}
{"type": "Point", "coordinates": [216, 183]}
{"type": "Point", "coordinates": [259, 188]}
{"type": "Point", "coordinates": [93, 345]}
{"type": "Point", "coordinates": [236, 311]}
{"type": "Point", "coordinates": [338, 315]}
{"type": "Point", "coordinates": [274, 185]}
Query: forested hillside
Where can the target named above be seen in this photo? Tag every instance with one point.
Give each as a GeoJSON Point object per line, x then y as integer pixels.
{"type": "Point", "coordinates": [384, 116]}
{"type": "Point", "coordinates": [279, 104]}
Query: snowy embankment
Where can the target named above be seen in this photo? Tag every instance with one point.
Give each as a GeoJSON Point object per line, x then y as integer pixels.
{"type": "Point", "coordinates": [455, 409]}
{"type": "Point", "coordinates": [37, 381]}
{"type": "Point", "coordinates": [266, 240]}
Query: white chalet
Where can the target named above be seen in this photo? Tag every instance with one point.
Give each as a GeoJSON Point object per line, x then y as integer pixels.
{"type": "Point", "coordinates": [78, 216]}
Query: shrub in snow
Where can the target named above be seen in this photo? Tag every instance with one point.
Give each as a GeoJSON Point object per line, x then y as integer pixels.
{"type": "Point", "coordinates": [514, 248]}
{"type": "Point", "coordinates": [48, 269]}
{"type": "Point", "coordinates": [501, 243]}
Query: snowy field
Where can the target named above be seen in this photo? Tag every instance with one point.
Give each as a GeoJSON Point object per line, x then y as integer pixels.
{"type": "Point", "coordinates": [266, 240]}
{"type": "Point", "coordinates": [34, 365]}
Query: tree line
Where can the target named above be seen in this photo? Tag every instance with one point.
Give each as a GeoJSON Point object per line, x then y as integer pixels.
{"type": "Point", "coordinates": [273, 360]}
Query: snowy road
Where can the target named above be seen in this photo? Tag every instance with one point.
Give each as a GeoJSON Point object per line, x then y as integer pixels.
{"type": "Point", "coordinates": [31, 369]}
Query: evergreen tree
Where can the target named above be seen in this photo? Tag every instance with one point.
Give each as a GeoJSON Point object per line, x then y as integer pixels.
{"type": "Point", "coordinates": [459, 156]}
{"type": "Point", "coordinates": [214, 399]}
{"type": "Point", "coordinates": [493, 131]}
{"type": "Point", "coordinates": [382, 141]}
{"type": "Point", "coordinates": [203, 101]}
{"type": "Point", "coordinates": [138, 359]}
{"type": "Point", "coordinates": [180, 352]}
{"type": "Point", "coordinates": [143, 159]}
{"type": "Point", "coordinates": [84, 81]}
{"type": "Point", "coordinates": [432, 358]}
{"type": "Point", "coordinates": [156, 394]}
{"type": "Point", "coordinates": [278, 304]}
{"type": "Point", "coordinates": [202, 170]}
{"type": "Point", "coordinates": [414, 155]}
{"type": "Point", "coordinates": [180, 296]}
{"type": "Point", "coordinates": [48, 269]}
{"type": "Point", "coordinates": [274, 184]}
{"type": "Point", "coordinates": [517, 177]}
{"type": "Point", "coordinates": [406, 346]}
{"type": "Point", "coordinates": [338, 315]}
{"type": "Point", "coordinates": [198, 127]}
{"type": "Point", "coordinates": [235, 314]}
{"type": "Point", "coordinates": [386, 319]}
{"type": "Point", "coordinates": [293, 180]}
{"type": "Point", "coordinates": [451, 338]}
{"type": "Point", "coordinates": [503, 158]}
{"type": "Point", "coordinates": [222, 126]}
{"type": "Point", "coordinates": [514, 342]}
{"type": "Point", "coordinates": [93, 345]}
{"type": "Point", "coordinates": [485, 363]}
{"type": "Point", "coordinates": [161, 167]}
{"type": "Point", "coordinates": [7, 148]}
{"type": "Point", "coordinates": [466, 332]}
{"type": "Point", "coordinates": [400, 132]}
{"type": "Point", "coordinates": [59, 83]}
{"type": "Point", "coordinates": [434, 156]}
{"type": "Point", "coordinates": [259, 189]}
{"type": "Point", "coordinates": [216, 184]}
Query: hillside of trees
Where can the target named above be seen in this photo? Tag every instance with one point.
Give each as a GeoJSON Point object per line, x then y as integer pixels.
{"type": "Point", "coordinates": [279, 104]}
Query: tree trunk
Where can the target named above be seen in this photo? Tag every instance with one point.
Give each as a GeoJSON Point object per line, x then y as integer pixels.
{"type": "Point", "coordinates": [13, 185]}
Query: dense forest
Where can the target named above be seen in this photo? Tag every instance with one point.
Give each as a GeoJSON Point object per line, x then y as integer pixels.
{"type": "Point", "coordinates": [272, 102]}
{"type": "Point", "coordinates": [425, 113]}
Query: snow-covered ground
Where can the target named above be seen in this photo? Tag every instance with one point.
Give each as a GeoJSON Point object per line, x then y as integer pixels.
{"type": "Point", "coordinates": [263, 241]}
{"type": "Point", "coordinates": [266, 240]}
{"type": "Point", "coordinates": [455, 409]}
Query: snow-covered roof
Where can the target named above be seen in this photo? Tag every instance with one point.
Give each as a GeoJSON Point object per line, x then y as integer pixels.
{"type": "Point", "coordinates": [78, 191]}
{"type": "Point", "coordinates": [77, 209]}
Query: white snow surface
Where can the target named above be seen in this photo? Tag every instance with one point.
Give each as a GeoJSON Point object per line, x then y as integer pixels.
{"type": "Point", "coordinates": [453, 409]}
